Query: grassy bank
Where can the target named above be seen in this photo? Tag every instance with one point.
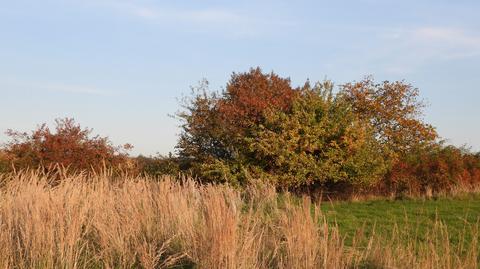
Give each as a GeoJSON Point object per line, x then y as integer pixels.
{"type": "Point", "coordinates": [98, 222]}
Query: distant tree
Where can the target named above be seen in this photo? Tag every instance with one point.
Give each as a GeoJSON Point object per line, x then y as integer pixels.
{"type": "Point", "coordinates": [68, 145]}
{"type": "Point", "coordinates": [394, 111]}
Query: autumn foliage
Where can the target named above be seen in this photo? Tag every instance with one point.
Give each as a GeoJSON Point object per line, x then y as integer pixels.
{"type": "Point", "coordinates": [360, 136]}
{"type": "Point", "coordinates": [436, 169]}
{"type": "Point", "coordinates": [249, 95]}
{"type": "Point", "coordinates": [394, 112]}
{"type": "Point", "coordinates": [260, 127]}
{"type": "Point", "coordinates": [68, 145]}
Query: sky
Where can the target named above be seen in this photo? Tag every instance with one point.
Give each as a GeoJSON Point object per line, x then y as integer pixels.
{"type": "Point", "coordinates": [120, 66]}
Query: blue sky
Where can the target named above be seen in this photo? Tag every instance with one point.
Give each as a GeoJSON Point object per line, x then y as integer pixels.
{"type": "Point", "coordinates": [118, 66]}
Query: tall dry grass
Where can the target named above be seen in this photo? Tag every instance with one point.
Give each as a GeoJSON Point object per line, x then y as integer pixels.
{"type": "Point", "coordinates": [98, 222]}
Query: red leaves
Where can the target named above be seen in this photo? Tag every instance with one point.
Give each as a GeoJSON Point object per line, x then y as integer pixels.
{"type": "Point", "coordinates": [248, 95]}
{"type": "Point", "coordinates": [437, 169]}
{"type": "Point", "coordinates": [70, 146]}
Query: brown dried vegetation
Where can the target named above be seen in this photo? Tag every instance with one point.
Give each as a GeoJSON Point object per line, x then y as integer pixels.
{"type": "Point", "coordinates": [134, 222]}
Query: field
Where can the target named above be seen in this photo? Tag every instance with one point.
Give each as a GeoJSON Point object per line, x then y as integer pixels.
{"type": "Point", "coordinates": [103, 221]}
{"type": "Point", "coordinates": [415, 216]}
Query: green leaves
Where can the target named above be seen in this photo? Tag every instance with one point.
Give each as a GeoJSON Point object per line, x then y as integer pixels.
{"type": "Point", "coordinates": [261, 127]}
{"type": "Point", "coordinates": [320, 140]}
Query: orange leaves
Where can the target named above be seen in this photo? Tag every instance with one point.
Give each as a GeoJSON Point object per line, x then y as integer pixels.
{"type": "Point", "coordinates": [438, 169]}
{"type": "Point", "coordinates": [394, 111]}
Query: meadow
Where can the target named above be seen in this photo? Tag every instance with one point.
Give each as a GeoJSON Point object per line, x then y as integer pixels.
{"type": "Point", "coordinates": [106, 221]}
{"type": "Point", "coordinates": [408, 218]}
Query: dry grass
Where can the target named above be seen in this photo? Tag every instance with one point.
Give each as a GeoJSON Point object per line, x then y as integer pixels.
{"type": "Point", "coordinates": [97, 222]}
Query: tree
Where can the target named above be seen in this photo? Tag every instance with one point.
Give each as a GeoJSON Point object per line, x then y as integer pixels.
{"type": "Point", "coordinates": [261, 127]}
{"type": "Point", "coordinates": [203, 133]}
{"type": "Point", "coordinates": [394, 111]}
{"type": "Point", "coordinates": [320, 141]}
{"type": "Point", "coordinates": [214, 123]}
{"type": "Point", "coordinates": [69, 145]}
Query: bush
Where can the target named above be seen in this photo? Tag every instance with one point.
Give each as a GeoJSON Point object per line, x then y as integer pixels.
{"type": "Point", "coordinates": [437, 169]}
{"type": "Point", "coordinates": [158, 166]}
{"type": "Point", "coordinates": [69, 146]}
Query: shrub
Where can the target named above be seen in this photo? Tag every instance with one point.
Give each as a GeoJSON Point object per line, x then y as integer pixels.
{"type": "Point", "coordinates": [69, 145]}
{"type": "Point", "coordinates": [437, 169]}
{"type": "Point", "coordinates": [367, 134]}
{"type": "Point", "coordinates": [158, 165]}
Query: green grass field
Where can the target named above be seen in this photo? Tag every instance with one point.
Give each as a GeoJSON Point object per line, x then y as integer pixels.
{"type": "Point", "coordinates": [411, 217]}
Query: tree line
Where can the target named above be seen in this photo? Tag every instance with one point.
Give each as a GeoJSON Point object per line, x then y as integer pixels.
{"type": "Point", "coordinates": [363, 136]}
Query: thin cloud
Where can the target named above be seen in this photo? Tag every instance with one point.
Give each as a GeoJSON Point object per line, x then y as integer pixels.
{"type": "Point", "coordinates": [75, 89]}
{"type": "Point", "coordinates": [452, 42]}
{"type": "Point", "coordinates": [439, 41]}
{"type": "Point", "coordinates": [401, 51]}
{"type": "Point", "coordinates": [405, 50]}
{"type": "Point", "coordinates": [210, 15]}
{"type": "Point", "coordinates": [53, 87]}
{"type": "Point", "coordinates": [451, 35]}
{"type": "Point", "coordinates": [155, 12]}
{"type": "Point", "coordinates": [207, 19]}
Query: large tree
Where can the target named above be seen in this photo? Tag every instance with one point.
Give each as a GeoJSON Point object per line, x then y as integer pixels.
{"type": "Point", "coordinates": [262, 127]}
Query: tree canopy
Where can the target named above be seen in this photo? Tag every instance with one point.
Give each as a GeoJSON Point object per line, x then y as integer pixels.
{"type": "Point", "coordinates": [261, 126]}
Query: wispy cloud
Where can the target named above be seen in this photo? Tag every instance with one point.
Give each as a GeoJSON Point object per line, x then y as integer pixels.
{"type": "Point", "coordinates": [200, 19]}
{"type": "Point", "coordinates": [209, 15]}
{"type": "Point", "coordinates": [9, 84]}
{"type": "Point", "coordinates": [450, 42]}
{"type": "Point", "coordinates": [407, 49]}
{"type": "Point", "coordinates": [75, 89]}
{"type": "Point", "coordinates": [402, 51]}
{"type": "Point", "coordinates": [451, 35]}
